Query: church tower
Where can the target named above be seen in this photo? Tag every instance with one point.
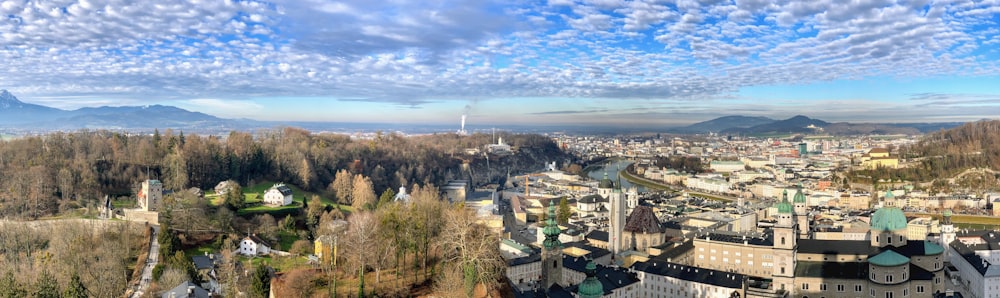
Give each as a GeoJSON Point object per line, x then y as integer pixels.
{"type": "Point", "coordinates": [617, 220]}
{"type": "Point", "coordinates": [590, 287]}
{"type": "Point", "coordinates": [947, 233]}
{"type": "Point", "coordinates": [801, 213]}
{"type": "Point", "coordinates": [784, 245]}
{"type": "Point", "coordinates": [605, 186]}
{"type": "Point", "coordinates": [552, 256]}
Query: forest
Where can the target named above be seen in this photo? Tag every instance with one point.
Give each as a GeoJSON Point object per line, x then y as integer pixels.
{"type": "Point", "coordinates": [946, 153]}
{"type": "Point", "coordinates": [47, 174]}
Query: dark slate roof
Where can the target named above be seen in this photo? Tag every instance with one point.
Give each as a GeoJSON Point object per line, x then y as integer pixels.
{"type": "Point", "coordinates": [285, 191]}
{"type": "Point", "coordinates": [674, 252]}
{"type": "Point", "coordinates": [598, 235]}
{"type": "Point", "coordinates": [693, 274]}
{"type": "Point", "coordinates": [830, 247]}
{"type": "Point", "coordinates": [556, 291]}
{"type": "Point", "coordinates": [531, 258]}
{"type": "Point", "coordinates": [917, 273]}
{"type": "Point", "coordinates": [591, 199]}
{"type": "Point", "coordinates": [918, 248]}
{"type": "Point", "coordinates": [614, 278]}
{"type": "Point", "coordinates": [841, 270]}
{"type": "Point", "coordinates": [202, 262]}
{"type": "Point", "coordinates": [181, 291]}
{"type": "Point", "coordinates": [258, 240]}
{"type": "Point", "coordinates": [765, 239]}
{"type": "Point", "coordinates": [970, 256]}
{"type": "Point", "coordinates": [643, 220]}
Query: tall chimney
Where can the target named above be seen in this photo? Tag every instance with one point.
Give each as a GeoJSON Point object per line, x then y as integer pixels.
{"type": "Point", "coordinates": [463, 123]}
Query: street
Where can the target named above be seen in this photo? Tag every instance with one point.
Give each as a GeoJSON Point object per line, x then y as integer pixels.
{"type": "Point", "coordinates": [147, 270]}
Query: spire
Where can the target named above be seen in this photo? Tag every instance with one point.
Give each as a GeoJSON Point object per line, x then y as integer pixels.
{"type": "Point", "coordinates": [618, 185]}
{"type": "Point", "coordinates": [591, 287]}
{"type": "Point", "coordinates": [946, 220]}
{"type": "Point", "coordinates": [551, 229]}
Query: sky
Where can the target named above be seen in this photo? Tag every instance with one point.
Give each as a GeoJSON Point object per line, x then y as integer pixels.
{"type": "Point", "coordinates": [511, 62]}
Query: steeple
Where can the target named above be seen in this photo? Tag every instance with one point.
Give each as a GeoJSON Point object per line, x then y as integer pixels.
{"type": "Point", "coordinates": [552, 255]}
{"type": "Point", "coordinates": [591, 287]}
{"type": "Point", "coordinates": [552, 229]}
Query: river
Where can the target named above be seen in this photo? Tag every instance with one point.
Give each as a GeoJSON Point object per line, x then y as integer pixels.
{"type": "Point", "coordinates": [612, 166]}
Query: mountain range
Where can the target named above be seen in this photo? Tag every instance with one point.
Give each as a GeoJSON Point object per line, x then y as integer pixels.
{"type": "Point", "coordinates": [15, 113]}
{"type": "Point", "coordinates": [747, 125]}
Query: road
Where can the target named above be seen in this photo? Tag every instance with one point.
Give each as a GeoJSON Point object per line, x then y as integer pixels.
{"type": "Point", "coordinates": [147, 271]}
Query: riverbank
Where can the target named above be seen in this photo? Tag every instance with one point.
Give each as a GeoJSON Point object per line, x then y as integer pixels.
{"type": "Point", "coordinates": [660, 186]}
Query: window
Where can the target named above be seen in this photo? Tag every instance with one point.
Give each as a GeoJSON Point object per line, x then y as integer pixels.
{"type": "Point", "coordinates": [840, 288]}
{"type": "Point", "coordinates": [906, 292]}
{"type": "Point", "coordinates": [888, 294]}
{"type": "Point", "coordinates": [920, 289]}
{"type": "Point", "coordinates": [553, 264]}
{"type": "Point", "coordinates": [822, 287]}
{"type": "Point", "coordinates": [782, 270]}
{"type": "Point", "coordinates": [888, 278]}
{"type": "Point", "coordinates": [725, 260]}
{"type": "Point", "coordinates": [873, 292]}
{"type": "Point", "coordinates": [782, 240]}
{"type": "Point", "coordinates": [805, 286]}
{"type": "Point", "coordinates": [877, 240]}
{"type": "Point", "coordinates": [857, 288]}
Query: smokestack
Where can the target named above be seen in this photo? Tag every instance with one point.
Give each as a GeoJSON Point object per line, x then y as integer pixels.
{"type": "Point", "coordinates": [463, 123]}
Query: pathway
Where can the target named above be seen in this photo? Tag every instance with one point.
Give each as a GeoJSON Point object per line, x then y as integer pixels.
{"type": "Point", "coordinates": [147, 271]}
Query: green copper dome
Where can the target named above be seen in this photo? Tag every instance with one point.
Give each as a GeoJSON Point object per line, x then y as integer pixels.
{"type": "Point", "coordinates": [591, 287]}
{"type": "Point", "coordinates": [784, 206]}
{"type": "Point", "coordinates": [606, 183]}
{"type": "Point", "coordinates": [799, 197]}
{"type": "Point", "coordinates": [551, 229]}
{"type": "Point", "coordinates": [888, 219]}
{"type": "Point", "coordinates": [889, 195]}
{"type": "Point", "coordinates": [888, 258]}
{"type": "Point", "coordinates": [947, 213]}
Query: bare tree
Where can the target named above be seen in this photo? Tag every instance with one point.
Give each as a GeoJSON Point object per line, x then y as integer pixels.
{"type": "Point", "coordinates": [473, 247]}
{"type": "Point", "coordinates": [361, 239]}
{"type": "Point", "coordinates": [341, 186]}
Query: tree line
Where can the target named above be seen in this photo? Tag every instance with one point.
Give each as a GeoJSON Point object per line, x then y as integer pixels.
{"type": "Point", "coordinates": [43, 175]}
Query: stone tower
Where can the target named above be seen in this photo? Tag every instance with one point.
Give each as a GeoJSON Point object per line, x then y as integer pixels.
{"type": "Point", "coordinates": [947, 233]}
{"type": "Point", "coordinates": [552, 256]}
{"type": "Point", "coordinates": [784, 246]}
{"type": "Point", "coordinates": [801, 213]}
{"type": "Point", "coordinates": [617, 220]}
{"type": "Point", "coordinates": [150, 195]}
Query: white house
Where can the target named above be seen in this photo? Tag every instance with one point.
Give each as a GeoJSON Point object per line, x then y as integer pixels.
{"type": "Point", "coordinates": [278, 195]}
{"type": "Point", "coordinates": [253, 246]}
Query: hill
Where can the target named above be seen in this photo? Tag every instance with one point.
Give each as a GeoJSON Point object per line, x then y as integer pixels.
{"type": "Point", "coordinates": [723, 123]}
{"type": "Point", "coordinates": [797, 124]}
{"type": "Point", "coordinates": [13, 111]}
{"type": "Point", "coordinates": [945, 154]}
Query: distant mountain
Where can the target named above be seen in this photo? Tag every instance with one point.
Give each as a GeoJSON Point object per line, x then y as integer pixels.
{"type": "Point", "coordinates": [13, 111]}
{"type": "Point", "coordinates": [20, 115]}
{"type": "Point", "coordinates": [723, 123]}
{"type": "Point", "coordinates": [797, 124]}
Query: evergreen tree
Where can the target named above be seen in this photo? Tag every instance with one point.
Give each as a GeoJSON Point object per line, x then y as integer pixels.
{"type": "Point", "coordinates": [46, 286]}
{"type": "Point", "coordinates": [260, 282]}
{"type": "Point", "coordinates": [564, 211]}
{"type": "Point", "coordinates": [387, 196]}
{"type": "Point", "coordinates": [75, 288]}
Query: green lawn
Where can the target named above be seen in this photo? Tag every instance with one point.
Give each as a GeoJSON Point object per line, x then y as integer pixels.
{"type": "Point", "coordinates": [285, 240]}
{"type": "Point", "coordinates": [278, 263]}
{"type": "Point", "coordinates": [277, 212]}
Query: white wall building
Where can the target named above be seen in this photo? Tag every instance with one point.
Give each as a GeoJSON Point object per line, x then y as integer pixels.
{"type": "Point", "coordinates": [254, 246]}
{"type": "Point", "coordinates": [278, 195]}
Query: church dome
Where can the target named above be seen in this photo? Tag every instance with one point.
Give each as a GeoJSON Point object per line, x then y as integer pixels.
{"type": "Point", "coordinates": [889, 194]}
{"type": "Point", "coordinates": [606, 183]}
{"type": "Point", "coordinates": [888, 219]}
{"type": "Point", "coordinates": [799, 197]}
{"type": "Point", "coordinates": [784, 207]}
{"type": "Point", "coordinates": [591, 287]}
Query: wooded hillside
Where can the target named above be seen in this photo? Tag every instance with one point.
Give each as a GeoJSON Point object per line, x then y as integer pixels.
{"type": "Point", "coordinates": [41, 175]}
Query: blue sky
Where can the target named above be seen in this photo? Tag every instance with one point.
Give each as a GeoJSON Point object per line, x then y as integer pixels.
{"type": "Point", "coordinates": [511, 62]}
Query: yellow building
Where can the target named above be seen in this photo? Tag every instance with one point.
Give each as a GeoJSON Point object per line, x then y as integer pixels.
{"type": "Point", "coordinates": [879, 158]}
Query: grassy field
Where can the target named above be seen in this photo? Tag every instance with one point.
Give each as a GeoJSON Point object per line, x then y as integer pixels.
{"type": "Point", "coordinates": [252, 195]}
{"type": "Point", "coordinates": [968, 221]}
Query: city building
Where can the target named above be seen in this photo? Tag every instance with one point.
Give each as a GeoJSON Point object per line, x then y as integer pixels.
{"type": "Point", "coordinates": [278, 195]}
{"type": "Point", "coordinates": [150, 195]}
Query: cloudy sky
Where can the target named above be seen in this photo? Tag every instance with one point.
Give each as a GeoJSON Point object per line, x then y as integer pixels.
{"type": "Point", "coordinates": [560, 61]}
